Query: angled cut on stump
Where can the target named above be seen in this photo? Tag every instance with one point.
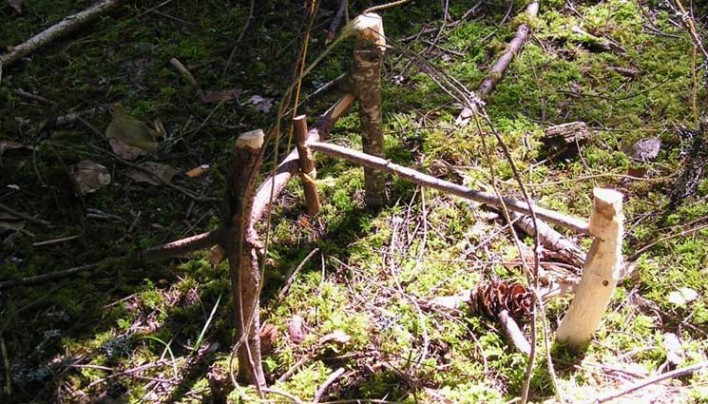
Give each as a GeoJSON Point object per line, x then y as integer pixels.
{"type": "Point", "coordinates": [369, 49]}
{"type": "Point", "coordinates": [242, 247]}
{"type": "Point", "coordinates": [601, 271]}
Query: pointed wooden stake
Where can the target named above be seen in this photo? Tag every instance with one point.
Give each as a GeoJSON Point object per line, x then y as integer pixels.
{"type": "Point", "coordinates": [601, 272]}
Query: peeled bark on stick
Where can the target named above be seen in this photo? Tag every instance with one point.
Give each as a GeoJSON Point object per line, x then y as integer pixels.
{"type": "Point", "coordinates": [462, 191]}
{"type": "Point", "coordinates": [369, 48]}
{"type": "Point", "coordinates": [308, 173]}
{"type": "Point", "coordinates": [242, 251]}
{"type": "Point", "coordinates": [602, 270]}
{"type": "Point", "coordinates": [503, 62]}
{"type": "Point", "coordinates": [275, 183]}
{"type": "Point", "coordinates": [62, 28]}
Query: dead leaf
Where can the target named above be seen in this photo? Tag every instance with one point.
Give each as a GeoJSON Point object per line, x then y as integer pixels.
{"type": "Point", "coordinates": [212, 97]}
{"type": "Point", "coordinates": [268, 336]}
{"type": "Point", "coordinates": [130, 130]}
{"type": "Point", "coordinates": [646, 149]}
{"type": "Point", "coordinates": [125, 151]}
{"type": "Point", "coordinates": [674, 350]}
{"type": "Point", "coordinates": [216, 255]}
{"type": "Point", "coordinates": [197, 171]}
{"type": "Point", "coordinates": [295, 329]}
{"type": "Point", "coordinates": [9, 222]}
{"type": "Point", "coordinates": [337, 336]}
{"type": "Point", "coordinates": [682, 296]}
{"type": "Point", "coordinates": [91, 176]}
{"type": "Point", "coordinates": [16, 5]}
{"type": "Point", "coordinates": [637, 172]}
{"type": "Point", "coordinates": [263, 104]}
{"type": "Point", "coordinates": [10, 145]}
{"type": "Point", "coordinates": [161, 171]}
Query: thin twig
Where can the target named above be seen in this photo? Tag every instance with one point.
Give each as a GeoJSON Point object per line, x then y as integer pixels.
{"type": "Point", "coordinates": [24, 216]}
{"type": "Point", "coordinates": [652, 380]}
{"type": "Point", "coordinates": [328, 382]}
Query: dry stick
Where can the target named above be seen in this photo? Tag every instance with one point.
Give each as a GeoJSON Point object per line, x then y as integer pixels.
{"type": "Point", "coordinates": [503, 62]}
{"type": "Point", "coordinates": [369, 49]}
{"type": "Point", "coordinates": [514, 332]}
{"type": "Point", "coordinates": [46, 277]}
{"type": "Point", "coordinates": [289, 166]}
{"type": "Point", "coordinates": [417, 177]}
{"type": "Point", "coordinates": [674, 373]}
{"type": "Point", "coordinates": [291, 277]}
{"type": "Point", "coordinates": [186, 245]}
{"type": "Point", "coordinates": [24, 216]}
{"type": "Point", "coordinates": [308, 173]}
{"type": "Point", "coordinates": [328, 382]}
{"type": "Point", "coordinates": [187, 76]}
{"type": "Point", "coordinates": [62, 28]}
{"type": "Point", "coordinates": [242, 245]}
{"type": "Point", "coordinates": [551, 239]}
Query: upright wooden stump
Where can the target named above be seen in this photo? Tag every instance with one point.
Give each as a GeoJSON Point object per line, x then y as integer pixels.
{"type": "Point", "coordinates": [369, 49]}
{"type": "Point", "coordinates": [308, 173]}
{"type": "Point", "coordinates": [242, 251]}
{"type": "Point", "coordinates": [601, 271]}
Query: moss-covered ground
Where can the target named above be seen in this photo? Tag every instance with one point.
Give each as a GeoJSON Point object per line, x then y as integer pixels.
{"type": "Point", "coordinates": [123, 332]}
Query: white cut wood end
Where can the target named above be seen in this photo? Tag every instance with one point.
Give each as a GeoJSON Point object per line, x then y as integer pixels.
{"type": "Point", "coordinates": [252, 139]}
{"type": "Point", "coordinates": [370, 27]}
{"type": "Point", "coordinates": [607, 213]}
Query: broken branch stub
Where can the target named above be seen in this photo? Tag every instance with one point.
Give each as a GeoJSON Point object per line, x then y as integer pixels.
{"type": "Point", "coordinates": [369, 49]}
{"type": "Point", "coordinates": [242, 247]}
{"type": "Point", "coordinates": [601, 272]}
{"type": "Point", "coordinates": [308, 173]}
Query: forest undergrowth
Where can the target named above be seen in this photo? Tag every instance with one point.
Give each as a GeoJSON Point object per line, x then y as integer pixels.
{"type": "Point", "coordinates": [346, 304]}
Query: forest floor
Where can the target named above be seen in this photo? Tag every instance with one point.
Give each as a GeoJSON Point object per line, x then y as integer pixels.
{"type": "Point", "coordinates": [359, 301]}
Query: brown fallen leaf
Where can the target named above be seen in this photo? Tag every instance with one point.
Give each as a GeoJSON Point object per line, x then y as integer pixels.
{"type": "Point", "coordinates": [124, 150]}
{"type": "Point", "coordinates": [91, 176]}
{"type": "Point", "coordinates": [212, 97]}
{"type": "Point", "coordinates": [197, 171]}
{"type": "Point", "coordinates": [337, 336]}
{"type": "Point", "coordinates": [268, 336]}
{"type": "Point", "coordinates": [216, 255]}
{"type": "Point", "coordinates": [295, 329]}
{"type": "Point", "coordinates": [162, 171]}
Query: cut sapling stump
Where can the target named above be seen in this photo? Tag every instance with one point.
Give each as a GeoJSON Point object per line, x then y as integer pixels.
{"type": "Point", "coordinates": [369, 49]}
{"type": "Point", "coordinates": [601, 272]}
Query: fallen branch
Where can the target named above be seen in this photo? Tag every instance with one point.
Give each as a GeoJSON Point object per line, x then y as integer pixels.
{"type": "Point", "coordinates": [417, 177]}
{"type": "Point", "coordinates": [496, 72]}
{"type": "Point", "coordinates": [277, 181]}
{"type": "Point", "coordinates": [668, 375]}
{"type": "Point", "coordinates": [60, 29]}
{"type": "Point", "coordinates": [514, 333]}
{"type": "Point", "coordinates": [184, 246]}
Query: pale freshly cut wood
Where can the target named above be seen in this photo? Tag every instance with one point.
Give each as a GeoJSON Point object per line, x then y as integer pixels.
{"type": "Point", "coordinates": [601, 273]}
{"type": "Point", "coordinates": [65, 26]}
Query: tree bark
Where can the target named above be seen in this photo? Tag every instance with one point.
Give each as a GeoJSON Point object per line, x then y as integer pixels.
{"type": "Point", "coordinates": [369, 48]}
{"type": "Point", "coordinates": [242, 250]}
{"type": "Point", "coordinates": [308, 173]}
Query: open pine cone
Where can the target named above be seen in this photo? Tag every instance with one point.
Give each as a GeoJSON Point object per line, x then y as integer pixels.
{"type": "Point", "coordinates": [493, 297]}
